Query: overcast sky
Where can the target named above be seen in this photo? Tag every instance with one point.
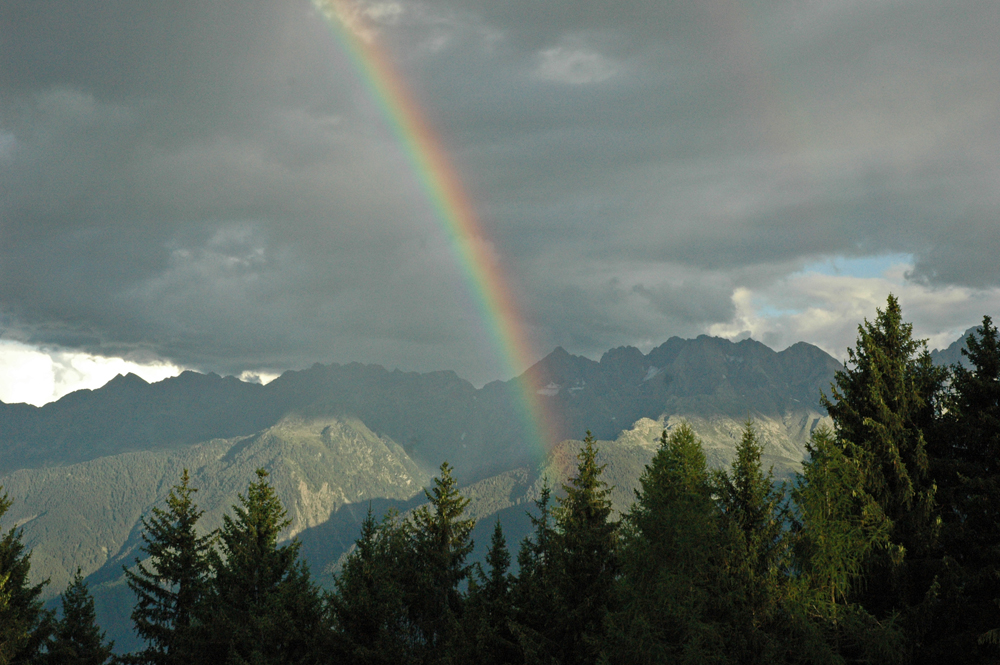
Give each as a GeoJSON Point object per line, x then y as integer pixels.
{"type": "Point", "coordinates": [209, 185]}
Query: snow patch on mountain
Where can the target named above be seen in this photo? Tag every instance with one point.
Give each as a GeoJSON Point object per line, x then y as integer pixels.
{"type": "Point", "coordinates": [550, 390]}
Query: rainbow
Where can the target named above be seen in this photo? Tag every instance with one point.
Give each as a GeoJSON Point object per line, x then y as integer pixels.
{"type": "Point", "coordinates": [453, 210]}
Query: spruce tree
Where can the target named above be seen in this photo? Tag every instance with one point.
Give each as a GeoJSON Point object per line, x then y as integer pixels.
{"type": "Point", "coordinates": [368, 606]}
{"type": "Point", "coordinates": [751, 504]}
{"type": "Point", "coordinates": [753, 530]}
{"type": "Point", "coordinates": [966, 465]}
{"type": "Point", "coordinates": [671, 561]}
{"type": "Point", "coordinates": [491, 607]}
{"type": "Point", "coordinates": [171, 582]}
{"type": "Point", "coordinates": [534, 591]}
{"type": "Point", "coordinates": [77, 639]}
{"type": "Point", "coordinates": [495, 584]}
{"type": "Point", "coordinates": [836, 529]}
{"type": "Point", "coordinates": [441, 545]}
{"type": "Point", "coordinates": [587, 560]}
{"type": "Point", "coordinates": [262, 607]}
{"type": "Point", "coordinates": [24, 625]}
{"type": "Point", "coordinates": [883, 403]}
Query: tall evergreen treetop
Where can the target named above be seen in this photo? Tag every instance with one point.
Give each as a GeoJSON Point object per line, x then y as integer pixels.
{"type": "Point", "coordinates": [495, 584]}
{"type": "Point", "coordinates": [262, 607]}
{"type": "Point", "coordinates": [24, 625]}
{"type": "Point", "coordinates": [534, 559]}
{"type": "Point", "coordinates": [753, 532]}
{"type": "Point", "coordinates": [885, 404]}
{"type": "Point", "coordinates": [588, 558]}
{"type": "Point", "coordinates": [972, 458]}
{"type": "Point", "coordinates": [441, 545]}
{"type": "Point", "coordinates": [671, 561]}
{"type": "Point", "coordinates": [674, 519]}
{"type": "Point", "coordinates": [966, 461]}
{"type": "Point", "coordinates": [77, 639]}
{"type": "Point", "coordinates": [584, 512]}
{"type": "Point", "coordinates": [972, 419]}
{"type": "Point", "coordinates": [369, 605]}
{"type": "Point", "coordinates": [534, 591]}
{"type": "Point", "coordinates": [678, 469]}
{"type": "Point", "coordinates": [172, 581]}
{"type": "Point", "coordinates": [751, 504]}
{"type": "Point", "coordinates": [250, 556]}
{"type": "Point", "coordinates": [882, 403]}
{"type": "Point", "coordinates": [491, 607]}
{"type": "Point", "coordinates": [441, 533]}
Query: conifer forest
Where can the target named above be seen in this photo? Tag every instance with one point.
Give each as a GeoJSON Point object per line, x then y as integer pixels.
{"type": "Point", "coordinates": [885, 548]}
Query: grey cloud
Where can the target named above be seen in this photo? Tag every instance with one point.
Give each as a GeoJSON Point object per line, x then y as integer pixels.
{"type": "Point", "coordinates": [966, 254]}
{"type": "Point", "coordinates": [213, 184]}
{"type": "Point", "coordinates": [698, 303]}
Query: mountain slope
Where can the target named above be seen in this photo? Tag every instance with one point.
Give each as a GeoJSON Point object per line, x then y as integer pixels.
{"type": "Point", "coordinates": [433, 416]}
{"type": "Point", "coordinates": [706, 377]}
{"type": "Point", "coordinates": [82, 472]}
{"type": "Point", "coordinates": [88, 514]}
{"type": "Point", "coordinates": [952, 354]}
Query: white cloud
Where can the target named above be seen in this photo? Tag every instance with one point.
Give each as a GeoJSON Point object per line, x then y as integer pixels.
{"type": "Point", "coordinates": [388, 12]}
{"type": "Point", "coordinates": [38, 376]}
{"type": "Point", "coordinates": [261, 377]}
{"type": "Point", "coordinates": [25, 375]}
{"type": "Point", "coordinates": [351, 14]}
{"type": "Point", "coordinates": [573, 65]}
{"type": "Point", "coordinates": [826, 309]}
{"type": "Point", "coordinates": [361, 17]}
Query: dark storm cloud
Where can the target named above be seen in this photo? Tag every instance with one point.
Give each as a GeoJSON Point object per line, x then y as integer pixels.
{"type": "Point", "coordinates": [203, 179]}
{"type": "Point", "coordinates": [966, 252]}
{"type": "Point", "coordinates": [210, 182]}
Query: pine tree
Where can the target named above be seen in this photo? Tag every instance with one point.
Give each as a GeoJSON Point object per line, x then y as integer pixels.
{"type": "Point", "coordinates": [753, 532]}
{"type": "Point", "coordinates": [882, 404]}
{"type": "Point", "coordinates": [966, 466]}
{"type": "Point", "coordinates": [441, 544]}
{"type": "Point", "coordinates": [671, 561]}
{"type": "Point", "coordinates": [24, 625]}
{"type": "Point", "coordinates": [77, 639]}
{"type": "Point", "coordinates": [491, 607]}
{"type": "Point", "coordinates": [171, 582]}
{"type": "Point", "coordinates": [836, 529]}
{"type": "Point", "coordinates": [534, 591]}
{"type": "Point", "coordinates": [494, 585]}
{"type": "Point", "coordinates": [262, 607]}
{"type": "Point", "coordinates": [751, 504]}
{"type": "Point", "coordinates": [587, 560]}
{"type": "Point", "coordinates": [368, 606]}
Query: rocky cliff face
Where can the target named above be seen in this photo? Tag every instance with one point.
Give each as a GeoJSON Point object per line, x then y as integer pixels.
{"type": "Point", "coordinates": [89, 514]}
{"type": "Point", "coordinates": [706, 378]}
{"type": "Point", "coordinates": [952, 354]}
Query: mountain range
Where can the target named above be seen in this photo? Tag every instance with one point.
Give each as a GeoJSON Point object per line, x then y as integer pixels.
{"type": "Point", "coordinates": [338, 439]}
